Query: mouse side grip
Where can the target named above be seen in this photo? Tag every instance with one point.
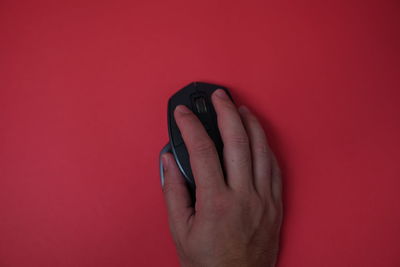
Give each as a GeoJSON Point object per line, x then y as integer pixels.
{"type": "Point", "coordinates": [165, 149]}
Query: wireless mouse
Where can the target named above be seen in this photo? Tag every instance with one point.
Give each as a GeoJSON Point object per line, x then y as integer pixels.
{"type": "Point", "coordinates": [197, 97]}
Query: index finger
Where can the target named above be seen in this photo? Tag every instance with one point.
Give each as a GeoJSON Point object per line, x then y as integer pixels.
{"type": "Point", "coordinates": [206, 167]}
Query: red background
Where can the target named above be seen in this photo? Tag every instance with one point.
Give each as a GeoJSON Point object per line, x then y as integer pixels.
{"type": "Point", "coordinates": [83, 93]}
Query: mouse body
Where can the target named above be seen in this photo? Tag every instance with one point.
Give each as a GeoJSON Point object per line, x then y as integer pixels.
{"type": "Point", "coordinates": [197, 97]}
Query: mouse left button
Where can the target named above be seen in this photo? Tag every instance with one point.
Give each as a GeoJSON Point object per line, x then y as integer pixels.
{"type": "Point", "coordinates": [167, 148]}
{"type": "Point", "coordinates": [176, 137]}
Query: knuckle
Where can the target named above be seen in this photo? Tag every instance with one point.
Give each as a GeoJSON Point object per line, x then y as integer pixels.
{"type": "Point", "coordinates": [262, 150]}
{"type": "Point", "coordinates": [243, 162]}
{"type": "Point", "coordinates": [277, 172]}
{"type": "Point", "coordinates": [220, 205]}
{"type": "Point", "coordinates": [203, 147]}
{"type": "Point", "coordinates": [257, 208]}
{"type": "Point", "coordinates": [238, 139]}
{"type": "Point", "coordinates": [274, 214]}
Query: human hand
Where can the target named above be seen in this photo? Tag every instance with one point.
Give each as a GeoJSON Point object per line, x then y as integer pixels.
{"type": "Point", "coordinates": [236, 219]}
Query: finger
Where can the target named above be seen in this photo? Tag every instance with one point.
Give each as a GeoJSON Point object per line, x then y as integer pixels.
{"type": "Point", "coordinates": [276, 181]}
{"type": "Point", "coordinates": [261, 153]}
{"type": "Point", "coordinates": [203, 155]}
{"type": "Point", "coordinates": [237, 157]}
{"type": "Point", "coordinates": [176, 195]}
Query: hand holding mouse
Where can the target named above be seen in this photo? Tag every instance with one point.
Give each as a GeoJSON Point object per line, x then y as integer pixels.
{"type": "Point", "coordinates": [237, 216]}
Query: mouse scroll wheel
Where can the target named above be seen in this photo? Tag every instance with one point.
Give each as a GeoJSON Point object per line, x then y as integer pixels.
{"type": "Point", "coordinates": [200, 104]}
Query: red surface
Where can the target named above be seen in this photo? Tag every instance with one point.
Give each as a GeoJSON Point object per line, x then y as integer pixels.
{"type": "Point", "coordinates": [84, 86]}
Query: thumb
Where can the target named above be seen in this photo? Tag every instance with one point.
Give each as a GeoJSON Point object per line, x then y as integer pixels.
{"type": "Point", "coordinates": [176, 196]}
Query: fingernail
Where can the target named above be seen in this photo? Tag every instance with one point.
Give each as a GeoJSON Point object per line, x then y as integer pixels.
{"type": "Point", "coordinates": [243, 110]}
{"type": "Point", "coordinates": [221, 94]}
{"type": "Point", "coordinates": [164, 160]}
{"type": "Point", "coordinates": [182, 109]}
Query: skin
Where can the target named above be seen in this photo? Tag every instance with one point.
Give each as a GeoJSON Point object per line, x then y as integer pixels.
{"type": "Point", "coordinates": [236, 220]}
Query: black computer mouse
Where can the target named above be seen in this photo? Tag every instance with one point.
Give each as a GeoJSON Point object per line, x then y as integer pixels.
{"type": "Point", "coordinates": [197, 97]}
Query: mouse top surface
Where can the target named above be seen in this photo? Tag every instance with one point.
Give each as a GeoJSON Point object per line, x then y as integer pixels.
{"type": "Point", "coordinates": [197, 97]}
